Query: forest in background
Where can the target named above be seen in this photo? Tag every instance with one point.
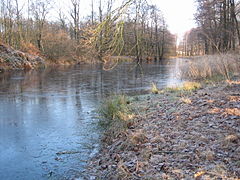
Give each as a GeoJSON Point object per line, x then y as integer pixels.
{"type": "Point", "coordinates": [217, 28]}
{"type": "Point", "coordinates": [135, 28]}
{"type": "Point", "coordinates": [124, 28]}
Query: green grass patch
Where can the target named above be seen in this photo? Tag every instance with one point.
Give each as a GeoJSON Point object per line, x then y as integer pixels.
{"type": "Point", "coordinates": [116, 113]}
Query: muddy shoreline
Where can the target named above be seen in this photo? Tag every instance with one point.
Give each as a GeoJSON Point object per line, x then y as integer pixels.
{"type": "Point", "coordinates": [176, 135]}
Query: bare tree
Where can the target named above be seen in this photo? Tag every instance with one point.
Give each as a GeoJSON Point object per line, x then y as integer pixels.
{"type": "Point", "coordinates": [75, 15]}
{"type": "Point", "coordinates": [62, 19]}
{"type": "Point", "coordinates": [219, 25]}
{"type": "Point", "coordinates": [40, 9]}
{"type": "Point", "coordinates": [135, 28]}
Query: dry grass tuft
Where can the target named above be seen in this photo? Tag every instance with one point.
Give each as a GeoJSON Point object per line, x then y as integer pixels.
{"type": "Point", "coordinates": [187, 86]}
{"type": "Point", "coordinates": [186, 100]}
{"type": "Point", "coordinates": [231, 138]}
{"type": "Point", "coordinates": [212, 67]}
{"type": "Point", "coordinates": [199, 174]}
{"type": "Point", "coordinates": [138, 137]}
{"type": "Point", "coordinates": [154, 89]}
{"type": "Point", "coordinates": [234, 98]}
{"type": "Point", "coordinates": [233, 82]}
{"type": "Point", "coordinates": [232, 111]}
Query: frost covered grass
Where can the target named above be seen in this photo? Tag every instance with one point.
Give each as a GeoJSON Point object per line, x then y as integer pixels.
{"type": "Point", "coordinates": [168, 126]}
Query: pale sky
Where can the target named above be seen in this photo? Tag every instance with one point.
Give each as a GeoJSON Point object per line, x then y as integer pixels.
{"type": "Point", "coordinates": [179, 14]}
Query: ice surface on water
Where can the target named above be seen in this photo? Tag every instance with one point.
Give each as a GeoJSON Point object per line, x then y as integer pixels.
{"type": "Point", "coordinates": [54, 110]}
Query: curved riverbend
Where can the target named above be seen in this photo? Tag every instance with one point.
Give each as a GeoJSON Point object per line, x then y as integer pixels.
{"type": "Point", "coordinates": [48, 117]}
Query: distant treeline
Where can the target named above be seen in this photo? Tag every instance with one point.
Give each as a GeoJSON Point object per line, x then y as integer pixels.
{"type": "Point", "coordinates": [218, 28]}
{"type": "Point", "coordinates": [135, 28]}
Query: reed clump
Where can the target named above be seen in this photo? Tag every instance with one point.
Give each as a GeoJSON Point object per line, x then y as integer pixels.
{"type": "Point", "coordinates": [215, 67]}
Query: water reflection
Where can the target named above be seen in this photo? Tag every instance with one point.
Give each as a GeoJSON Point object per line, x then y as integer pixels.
{"type": "Point", "coordinates": [48, 111]}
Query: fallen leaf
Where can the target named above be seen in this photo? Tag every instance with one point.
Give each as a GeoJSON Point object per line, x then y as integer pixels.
{"type": "Point", "coordinates": [198, 174]}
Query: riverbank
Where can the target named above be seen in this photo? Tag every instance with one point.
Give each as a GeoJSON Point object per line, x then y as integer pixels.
{"type": "Point", "coordinates": [177, 134]}
{"type": "Point", "coordinates": [11, 59]}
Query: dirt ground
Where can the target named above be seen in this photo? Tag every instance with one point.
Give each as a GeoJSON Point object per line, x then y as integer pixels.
{"type": "Point", "coordinates": [177, 135]}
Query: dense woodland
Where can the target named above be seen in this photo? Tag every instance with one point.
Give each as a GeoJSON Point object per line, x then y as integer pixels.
{"type": "Point", "coordinates": [218, 28]}
{"type": "Point", "coordinates": [128, 28]}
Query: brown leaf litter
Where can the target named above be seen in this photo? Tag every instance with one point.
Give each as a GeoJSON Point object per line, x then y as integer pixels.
{"type": "Point", "coordinates": [177, 136]}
